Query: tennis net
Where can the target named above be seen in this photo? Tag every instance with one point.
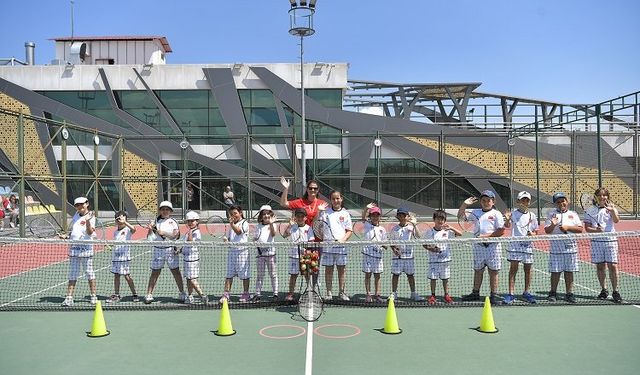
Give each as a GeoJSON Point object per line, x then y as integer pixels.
{"type": "Point", "coordinates": [34, 273]}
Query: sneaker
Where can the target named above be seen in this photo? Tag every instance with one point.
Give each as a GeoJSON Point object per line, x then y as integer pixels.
{"type": "Point", "coordinates": [343, 296]}
{"type": "Point", "coordinates": [68, 301]}
{"type": "Point", "coordinates": [204, 299]}
{"type": "Point", "coordinates": [417, 297]}
{"type": "Point", "coordinates": [182, 296]}
{"type": "Point", "coordinates": [245, 297]}
{"type": "Point", "coordinates": [474, 296]}
{"type": "Point", "coordinates": [448, 299]}
{"type": "Point", "coordinates": [368, 298]}
{"type": "Point", "coordinates": [616, 297]}
{"type": "Point", "coordinates": [393, 295]}
{"type": "Point", "coordinates": [508, 299]}
{"type": "Point", "coordinates": [552, 297]}
{"type": "Point", "coordinates": [224, 297]}
{"type": "Point", "coordinates": [12, 225]}
{"type": "Point", "coordinates": [189, 300]}
{"type": "Point", "coordinates": [603, 294]}
{"type": "Point", "coordinates": [289, 297]}
{"type": "Point", "coordinates": [570, 297]}
{"type": "Point", "coordinates": [328, 296]}
{"type": "Point", "coordinates": [378, 299]}
{"type": "Point", "coordinates": [256, 297]}
{"type": "Point", "coordinates": [93, 300]}
{"type": "Point", "coordinates": [148, 299]}
{"type": "Point", "coordinates": [432, 300]}
{"type": "Point", "coordinates": [275, 296]}
{"type": "Point", "coordinates": [115, 298]}
{"type": "Point", "coordinates": [136, 298]}
{"type": "Point", "coordinates": [494, 299]}
{"type": "Point", "coordinates": [529, 297]}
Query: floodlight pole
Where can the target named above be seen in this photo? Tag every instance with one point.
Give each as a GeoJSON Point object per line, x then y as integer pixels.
{"type": "Point", "coordinates": [301, 24]}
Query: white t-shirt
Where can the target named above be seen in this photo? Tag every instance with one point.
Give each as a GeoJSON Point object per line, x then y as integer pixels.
{"type": "Point", "coordinates": [519, 220]}
{"type": "Point", "coordinates": [190, 252]}
{"type": "Point", "coordinates": [299, 234]}
{"type": "Point", "coordinates": [166, 225]}
{"type": "Point", "coordinates": [122, 253]}
{"type": "Point", "coordinates": [569, 218]}
{"type": "Point", "coordinates": [600, 216]}
{"type": "Point", "coordinates": [262, 233]}
{"type": "Point", "coordinates": [374, 233]}
{"type": "Point", "coordinates": [405, 233]}
{"type": "Point", "coordinates": [239, 238]}
{"type": "Point", "coordinates": [486, 222]}
{"type": "Point", "coordinates": [337, 224]}
{"type": "Point", "coordinates": [79, 233]}
{"type": "Point", "coordinates": [445, 249]}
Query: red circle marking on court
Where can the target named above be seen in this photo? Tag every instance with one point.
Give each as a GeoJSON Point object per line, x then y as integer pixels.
{"type": "Point", "coordinates": [356, 331]}
{"type": "Point", "coordinates": [263, 334]}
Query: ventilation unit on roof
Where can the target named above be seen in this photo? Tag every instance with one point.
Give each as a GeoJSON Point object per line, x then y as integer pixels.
{"type": "Point", "coordinates": [78, 53]}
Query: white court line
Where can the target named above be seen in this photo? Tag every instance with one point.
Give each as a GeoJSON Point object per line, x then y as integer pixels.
{"type": "Point", "coordinates": [308, 365]}
{"type": "Point", "coordinates": [62, 283]}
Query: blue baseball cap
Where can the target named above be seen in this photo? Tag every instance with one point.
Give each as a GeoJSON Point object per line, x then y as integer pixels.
{"type": "Point", "coordinates": [558, 195]}
{"type": "Point", "coordinates": [402, 210]}
{"type": "Point", "coordinates": [488, 193]}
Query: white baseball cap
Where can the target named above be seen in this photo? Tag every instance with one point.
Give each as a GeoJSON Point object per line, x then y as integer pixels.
{"type": "Point", "coordinates": [191, 215]}
{"type": "Point", "coordinates": [266, 207]}
{"type": "Point", "coordinates": [524, 194]}
{"type": "Point", "coordinates": [166, 204]}
{"type": "Point", "coordinates": [80, 200]}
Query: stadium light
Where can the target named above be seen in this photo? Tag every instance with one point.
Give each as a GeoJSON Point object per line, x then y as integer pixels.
{"type": "Point", "coordinates": [301, 25]}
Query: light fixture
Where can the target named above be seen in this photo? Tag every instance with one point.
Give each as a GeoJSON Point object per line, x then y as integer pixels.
{"type": "Point", "coordinates": [184, 144]}
{"type": "Point", "coordinates": [96, 140]}
{"type": "Point", "coordinates": [377, 142]}
{"type": "Point", "coordinates": [65, 133]}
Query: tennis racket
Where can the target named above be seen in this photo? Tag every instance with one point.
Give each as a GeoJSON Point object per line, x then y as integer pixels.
{"type": "Point", "coordinates": [469, 222]}
{"type": "Point", "coordinates": [42, 228]}
{"type": "Point", "coordinates": [310, 304]}
{"type": "Point", "coordinates": [587, 202]}
{"type": "Point", "coordinates": [359, 230]}
{"type": "Point", "coordinates": [216, 226]}
{"type": "Point", "coordinates": [100, 230]}
{"type": "Point", "coordinates": [145, 217]}
{"type": "Point", "coordinates": [284, 229]}
{"type": "Point", "coordinates": [321, 228]}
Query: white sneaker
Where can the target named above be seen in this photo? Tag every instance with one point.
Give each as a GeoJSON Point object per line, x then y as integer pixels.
{"type": "Point", "coordinates": [93, 300]}
{"type": "Point", "coordinates": [68, 301]}
{"type": "Point", "coordinates": [204, 299]}
{"type": "Point", "coordinates": [148, 299]}
{"type": "Point", "coordinates": [416, 297]}
{"type": "Point", "coordinates": [189, 300]}
{"type": "Point", "coordinates": [12, 225]}
{"type": "Point", "coordinates": [328, 296]}
{"type": "Point", "coordinates": [343, 296]}
{"type": "Point", "coordinates": [182, 296]}
{"type": "Point", "coordinates": [393, 295]}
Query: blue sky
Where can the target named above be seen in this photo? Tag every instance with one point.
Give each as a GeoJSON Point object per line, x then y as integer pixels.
{"type": "Point", "coordinates": [568, 51]}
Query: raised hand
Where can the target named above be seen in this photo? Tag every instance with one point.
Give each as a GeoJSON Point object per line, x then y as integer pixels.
{"type": "Point", "coordinates": [471, 200]}
{"type": "Point", "coordinates": [323, 206]}
{"type": "Point", "coordinates": [372, 205]}
{"type": "Point", "coordinates": [507, 215]}
{"type": "Point", "coordinates": [284, 182]}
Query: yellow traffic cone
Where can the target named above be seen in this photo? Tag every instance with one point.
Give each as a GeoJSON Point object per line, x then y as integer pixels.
{"type": "Point", "coordinates": [486, 322]}
{"type": "Point", "coordinates": [225, 328]}
{"type": "Point", "coordinates": [391, 322]}
{"type": "Point", "coordinates": [98, 327]}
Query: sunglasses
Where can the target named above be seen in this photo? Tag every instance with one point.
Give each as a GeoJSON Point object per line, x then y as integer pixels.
{"type": "Point", "coordinates": [312, 188]}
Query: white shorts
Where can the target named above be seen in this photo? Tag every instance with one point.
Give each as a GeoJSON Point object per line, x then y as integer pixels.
{"type": "Point", "coordinates": [294, 266]}
{"type": "Point", "coordinates": [399, 266]}
{"type": "Point", "coordinates": [563, 262]}
{"type": "Point", "coordinates": [76, 264]}
{"type": "Point", "coordinates": [162, 255]}
{"type": "Point", "coordinates": [238, 264]}
{"type": "Point", "coordinates": [371, 264]}
{"type": "Point", "coordinates": [120, 267]}
{"type": "Point", "coordinates": [191, 269]}
{"type": "Point", "coordinates": [331, 259]}
{"type": "Point", "coordinates": [439, 271]}
{"type": "Point", "coordinates": [488, 256]}
{"type": "Point", "coordinates": [604, 252]}
{"type": "Point", "coordinates": [522, 257]}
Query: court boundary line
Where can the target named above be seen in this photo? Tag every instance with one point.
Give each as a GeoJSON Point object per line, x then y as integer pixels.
{"type": "Point", "coordinates": [308, 363]}
{"type": "Point", "coordinates": [64, 282]}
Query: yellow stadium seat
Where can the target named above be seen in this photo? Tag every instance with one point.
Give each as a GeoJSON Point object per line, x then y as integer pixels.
{"type": "Point", "coordinates": [52, 208]}
{"type": "Point", "coordinates": [29, 210]}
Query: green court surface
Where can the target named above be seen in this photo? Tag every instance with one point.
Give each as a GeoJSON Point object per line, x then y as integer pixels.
{"type": "Point", "coordinates": [555, 340]}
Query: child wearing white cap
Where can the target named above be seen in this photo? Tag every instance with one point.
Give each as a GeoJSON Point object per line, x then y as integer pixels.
{"type": "Point", "coordinates": [81, 255]}
{"type": "Point", "coordinates": [525, 223]}
{"type": "Point", "coordinates": [162, 229]}
{"type": "Point", "coordinates": [265, 232]}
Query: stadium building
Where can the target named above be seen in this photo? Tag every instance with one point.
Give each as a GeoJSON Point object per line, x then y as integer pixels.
{"type": "Point", "coordinates": [109, 118]}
